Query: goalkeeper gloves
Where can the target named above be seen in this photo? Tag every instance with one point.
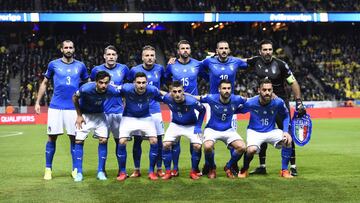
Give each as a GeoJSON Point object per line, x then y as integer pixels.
{"type": "Point", "coordinates": [300, 108]}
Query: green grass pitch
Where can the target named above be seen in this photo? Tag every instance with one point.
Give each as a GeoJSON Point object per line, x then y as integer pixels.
{"type": "Point", "coordinates": [329, 171]}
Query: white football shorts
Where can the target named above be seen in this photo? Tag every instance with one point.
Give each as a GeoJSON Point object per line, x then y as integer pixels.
{"type": "Point", "coordinates": [59, 119]}
{"type": "Point", "coordinates": [228, 136]}
{"type": "Point", "coordinates": [174, 131]}
{"type": "Point", "coordinates": [93, 122]}
{"type": "Point", "coordinates": [255, 138]}
{"type": "Point", "coordinates": [130, 124]}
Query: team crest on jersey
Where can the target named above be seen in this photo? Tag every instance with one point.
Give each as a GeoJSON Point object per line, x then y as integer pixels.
{"type": "Point", "coordinates": [193, 70]}
{"type": "Point", "coordinates": [185, 70]}
{"type": "Point", "coordinates": [273, 69]}
{"type": "Point", "coordinates": [265, 112]}
{"type": "Point", "coordinates": [68, 70]}
{"type": "Point", "coordinates": [225, 110]}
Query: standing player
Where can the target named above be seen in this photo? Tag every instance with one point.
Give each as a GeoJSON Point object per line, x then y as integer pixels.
{"type": "Point", "coordinates": [223, 107]}
{"type": "Point", "coordinates": [155, 75]}
{"type": "Point", "coordinates": [219, 67]}
{"type": "Point", "coordinates": [113, 106]}
{"type": "Point", "coordinates": [89, 103]}
{"type": "Point", "coordinates": [278, 72]}
{"type": "Point", "coordinates": [263, 114]}
{"type": "Point", "coordinates": [184, 122]}
{"type": "Point", "coordinates": [137, 117]}
{"type": "Point", "coordinates": [186, 70]}
{"type": "Point", "coordinates": [66, 73]}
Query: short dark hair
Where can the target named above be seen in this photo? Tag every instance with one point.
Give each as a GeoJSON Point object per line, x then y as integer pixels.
{"type": "Point", "coordinates": [101, 75]}
{"type": "Point", "coordinates": [182, 42]}
{"type": "Point", "coordinates": [226, 81]}
{"type": "Point", "coordinates": [110, 47]}
{"type": "Point", "coordinates": [140, 75]}
{"type": "Point", "coordinates": [222, 41]}
{"type": "Point", "coordinates": [265, 41]}
{"type": "Point", "coordinates": [176, 83]}
{"type": "Point", "coordinates": [66, 41]}
{"type": "Point", "coordinates": [265, 80]}
{"type": "Point", "coordinates": [148, 47]}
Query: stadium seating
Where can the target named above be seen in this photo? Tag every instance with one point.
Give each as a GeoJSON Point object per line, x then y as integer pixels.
{"type": "Point", "coordinates": [178, 5]}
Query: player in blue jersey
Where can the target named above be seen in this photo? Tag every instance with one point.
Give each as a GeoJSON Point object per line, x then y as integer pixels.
{"type": "Point", "coordinates": [223, 106]}
{"type": "Point", "coordinates": [113, 106]}
{"type": "Point", "coordinates": [184, 122]}
{"type": "Point", "coordinates": [219, 67]}
{"type": "Point", "coordinates": [266, 65]}
{"type": "Point", "coordinates": [263, 112]}
{"type": "Point", "coordinates": [66, 74]}
{"type": "Point", "coordinates": [186, 70]}
{"type": "Point", "coordinates": [89, 103]}
{"type": "Point", "coordinates": [155, 77]}
{"type": "Point", "coordinates": [137, 117]}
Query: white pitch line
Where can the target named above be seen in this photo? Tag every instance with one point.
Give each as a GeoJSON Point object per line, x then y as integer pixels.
{"type": "Point", "coordinates": [10, 134]}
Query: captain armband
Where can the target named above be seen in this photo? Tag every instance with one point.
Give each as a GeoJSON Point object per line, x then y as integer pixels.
{"type": "Point", "coordinates": [291, 79]}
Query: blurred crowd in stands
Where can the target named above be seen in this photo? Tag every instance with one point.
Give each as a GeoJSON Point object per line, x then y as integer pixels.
{"type": "Point", "coordinates": [177, 5]}
{"type": "Point", "coordinates": [326, 64]}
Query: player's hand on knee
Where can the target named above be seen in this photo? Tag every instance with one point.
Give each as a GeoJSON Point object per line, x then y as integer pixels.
{"type": "Point", "coordinates": [287, 139]}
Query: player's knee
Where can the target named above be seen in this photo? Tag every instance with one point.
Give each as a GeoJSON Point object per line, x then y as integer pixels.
{"type": "Point", "coordinates": [123, 141]}
{"type": "Point", "coordinates": [79, 141]}
{"type": "Point", "coordinates": [251, 150]}
{"type": "Point", "coordinates": [196, 147]}
{"type": "Point", "coordinates": [208, 146]}
{"type": "Point", "coordinates": [153, 140]}
{"type": "Point", "coordinates": [52, 138]}
{"type": "Point", "coordinates": [167, 145]}
{"type": "Point", "coordinates": [102, 140]}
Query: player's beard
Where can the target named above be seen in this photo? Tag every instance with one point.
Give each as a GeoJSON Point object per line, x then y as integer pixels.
{"type": "Point", "coordinates": [266, 98]}
{"type": "Point", "coordinates": [68, 55]}
{"type": "Point", "coordinates": [185, 55]}
{"type": "Point", "coordinates": [223, 56]}
{"type": "Point", "coordinates": [225, 95]}
{"type": "Point", "coordinates": [267, 57]}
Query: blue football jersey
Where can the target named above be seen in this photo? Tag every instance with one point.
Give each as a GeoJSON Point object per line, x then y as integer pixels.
{"type": "Point", "coordinates": [221, 114]}
{"type": "Point", "coordinates": [138, 105]}
{"type": "Point", "coordinates": [184, 113]}
{"type": "Point", "coordinates": [155, 77]}
{"type": "Point", "coordinates": [93, 102]}
{"type": "Point", "coordinates": [186, 73]}
{"type": "Point", "coordinates": [263, 118]}
{"type": "Point", "coordinates": [118, 74]}
{"type": "Point", "coordinates": [66, 79]}
{"type": "Point", "coordinates": [218, 71]}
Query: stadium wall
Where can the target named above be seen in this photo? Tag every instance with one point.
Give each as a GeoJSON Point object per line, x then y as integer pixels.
{"type": "Point", "coordinates": [325, 113]}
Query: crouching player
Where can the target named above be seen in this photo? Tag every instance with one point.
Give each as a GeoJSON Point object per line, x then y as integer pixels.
{"type": "Point", "coordinates": [88, 101]}
{"type": "Point", "coordinates": [263, 111]}
{"type": "Point", "coordinates": [184, 122]}
{"type": "Point", "coordinates": [223, 106]}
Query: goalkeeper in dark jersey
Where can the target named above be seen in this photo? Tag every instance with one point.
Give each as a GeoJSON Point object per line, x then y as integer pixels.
{"type": "Point", "coordinates": [278, 72]}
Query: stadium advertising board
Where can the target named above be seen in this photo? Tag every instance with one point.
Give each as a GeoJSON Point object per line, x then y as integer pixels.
{"type": "Point", "coordinates": [181, 17]}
